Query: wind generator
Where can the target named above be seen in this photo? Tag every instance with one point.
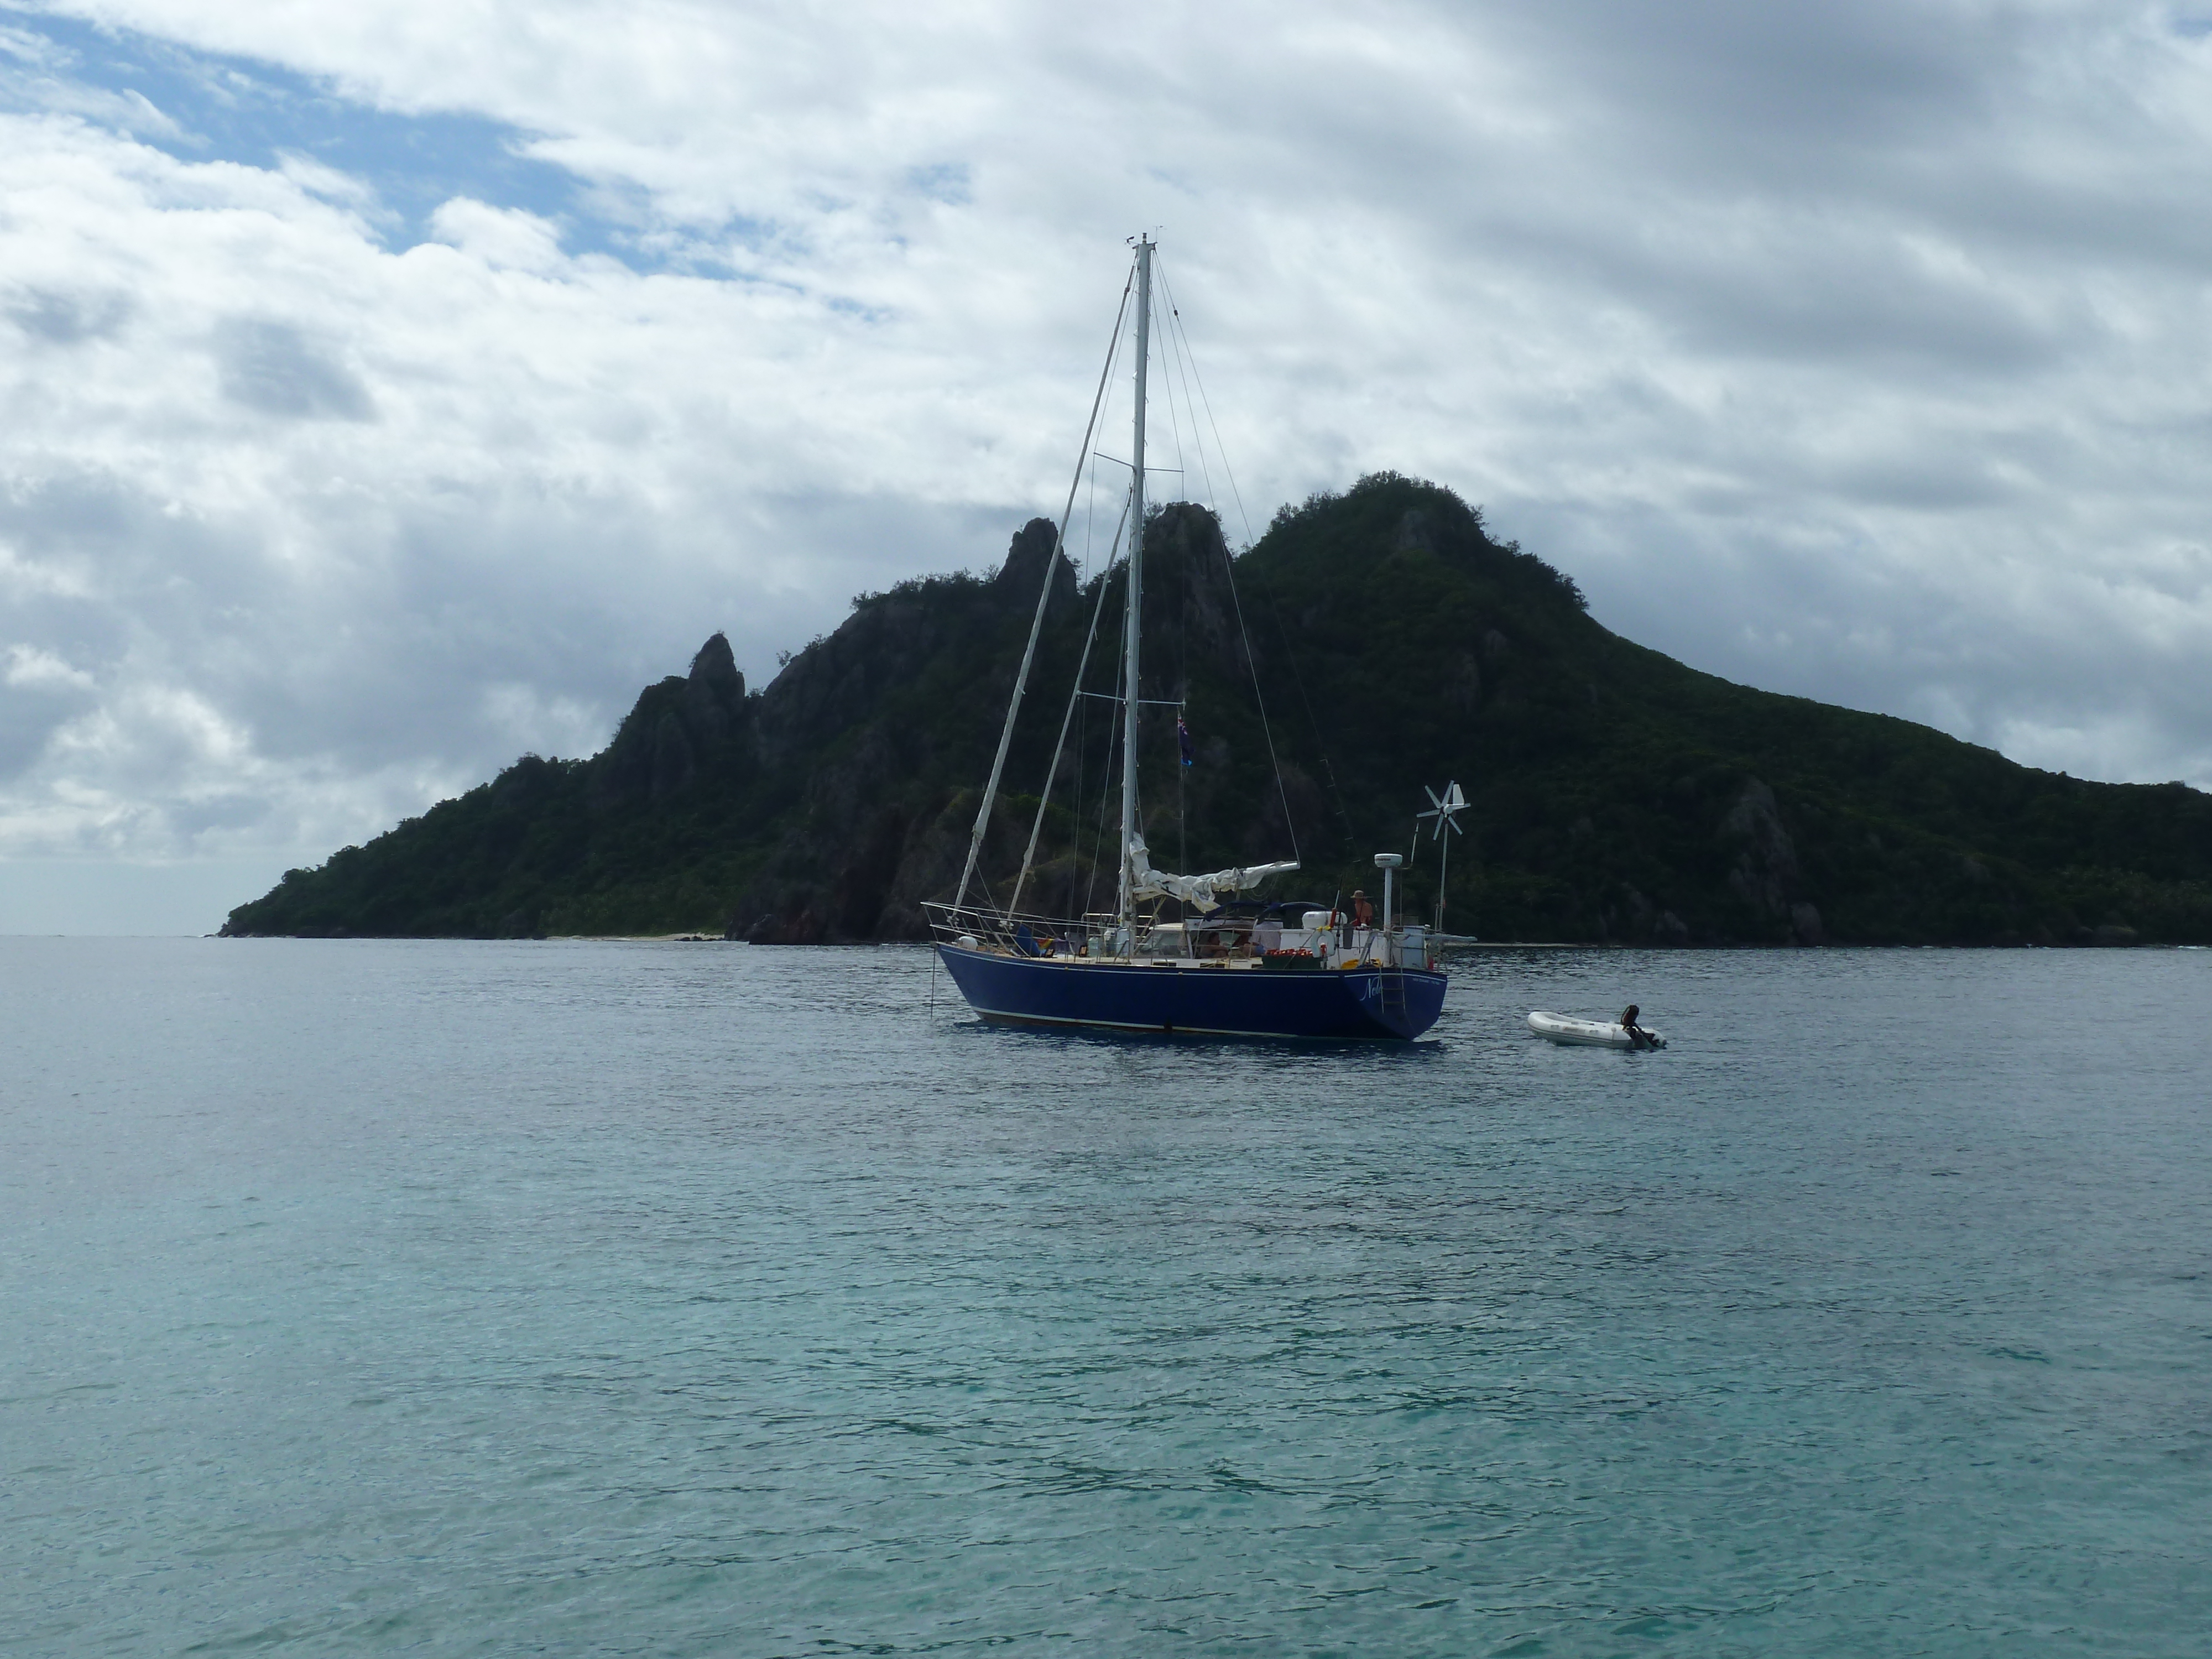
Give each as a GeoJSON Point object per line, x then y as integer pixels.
{"type": "Point", "coordinates": [1445, 811]}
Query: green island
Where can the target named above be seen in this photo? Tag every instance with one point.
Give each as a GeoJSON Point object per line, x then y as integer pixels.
{"type": "Point", "coordinates": [1616, 795]}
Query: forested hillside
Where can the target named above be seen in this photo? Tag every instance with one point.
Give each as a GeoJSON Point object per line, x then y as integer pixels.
{"type": "Point", "coordinates": [1617, 794]}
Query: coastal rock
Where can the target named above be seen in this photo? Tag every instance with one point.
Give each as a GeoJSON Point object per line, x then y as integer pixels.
{"type": "Point", "coordinates": [1765, 871]}
{"type": "Point", "coordinates": [673, 761]}
{"type": "Point", "coordinates": [1416, 532]}
{"type": "Point", "coordinates": [1464, 686]}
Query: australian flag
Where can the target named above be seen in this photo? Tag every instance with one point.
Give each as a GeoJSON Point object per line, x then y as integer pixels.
{"type": "Point", "coordinates": [1183, 736]}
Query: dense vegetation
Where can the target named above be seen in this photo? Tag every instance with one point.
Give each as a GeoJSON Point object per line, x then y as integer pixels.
{"type": "Point", "coordinates": [1616, 793]}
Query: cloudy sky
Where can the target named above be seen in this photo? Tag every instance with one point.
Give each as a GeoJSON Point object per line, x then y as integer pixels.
{"type": "Point", "coordinates": [392, 389]}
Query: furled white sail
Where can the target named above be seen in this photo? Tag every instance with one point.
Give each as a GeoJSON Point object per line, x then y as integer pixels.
{"type": "Point", "coordinates": [1201, 890]}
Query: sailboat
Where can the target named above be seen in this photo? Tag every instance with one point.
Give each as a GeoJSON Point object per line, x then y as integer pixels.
{"type": "Point", "coordinates": [1219, 966]}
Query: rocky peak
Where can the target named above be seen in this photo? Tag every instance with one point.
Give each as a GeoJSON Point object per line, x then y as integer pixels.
{"type": "Point", "coordinates": [677, 727]}
{"type": "Point", "coordinates": [714, 697]}
{"type": "Point", "coordinates": [716, 664]}
{"type": "Point", "coordinates": [1187, 595]}
{"type": "Point", "coordinates": [1033, 544]}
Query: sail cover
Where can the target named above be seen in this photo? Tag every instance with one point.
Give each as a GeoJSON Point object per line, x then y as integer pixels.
{"type": "Point", "coordinates": [1201, 890]}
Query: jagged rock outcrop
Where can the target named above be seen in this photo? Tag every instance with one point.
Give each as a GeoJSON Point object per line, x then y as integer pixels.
{"type": "Point", "coordinates": [675, 727]}
{"type": "Point", "coordinates": [1016, 583]}
{"type": "Point", "coordinates": [1765, 873]}
{"type": "Point", "coordinates": [876, 834]}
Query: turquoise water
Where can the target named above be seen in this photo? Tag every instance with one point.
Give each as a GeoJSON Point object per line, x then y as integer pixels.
{"type": "Point", "coordinates": [493, 1299]}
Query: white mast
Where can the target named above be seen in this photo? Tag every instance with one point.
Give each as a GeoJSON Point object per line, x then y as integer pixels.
{"type": "Point", "coordinates": [1136, 601]}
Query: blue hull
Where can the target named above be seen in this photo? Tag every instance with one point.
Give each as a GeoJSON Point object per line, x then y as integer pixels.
{"type": "Point", "coordinates": [1338, 1006]}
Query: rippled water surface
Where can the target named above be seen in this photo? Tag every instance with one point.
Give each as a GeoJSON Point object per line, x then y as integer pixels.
{"type": "Point", "coordinates": [492, 1299]}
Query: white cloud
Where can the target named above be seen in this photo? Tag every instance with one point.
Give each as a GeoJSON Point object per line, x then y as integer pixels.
{"type": "Point", "coordinates": [329, 182]}
{"type": "Point", "coordinates": [1856, 353]}
{"type": "Point", "coordinates": [499, 237]}
{"type": "Point", "coordinates": [29, 666]}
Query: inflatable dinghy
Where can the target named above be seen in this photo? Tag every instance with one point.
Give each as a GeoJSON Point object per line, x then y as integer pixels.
{"type": "Point", "coordinates": [1591, 1033]}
